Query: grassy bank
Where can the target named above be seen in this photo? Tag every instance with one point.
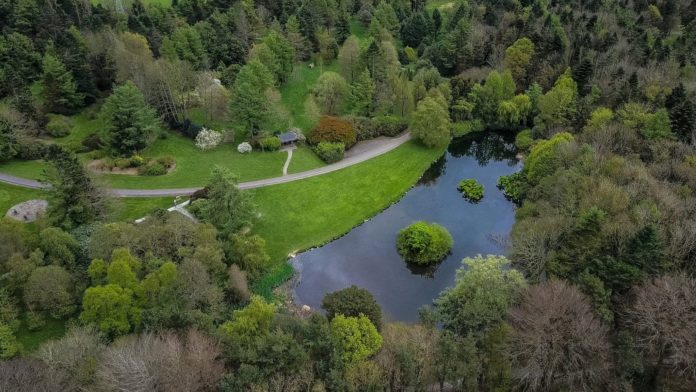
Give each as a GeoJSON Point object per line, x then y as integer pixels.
{"type": "Point", "coordinates": [306, 213]}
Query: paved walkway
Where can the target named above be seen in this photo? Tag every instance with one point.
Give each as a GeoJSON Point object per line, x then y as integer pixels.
{"type": "Point", "coordinates": [377, 148]}
{"type": "Point", "coordinates": [287, 161]}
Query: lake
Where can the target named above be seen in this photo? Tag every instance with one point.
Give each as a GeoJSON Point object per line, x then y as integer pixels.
{"type": "Point", "coordinates": [367, 257]}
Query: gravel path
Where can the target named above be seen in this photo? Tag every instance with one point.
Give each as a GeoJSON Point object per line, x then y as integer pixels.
{"type": "Point", "coordinates": [376, 148]}
{"type": "Point", "coordinates": [287, 161]}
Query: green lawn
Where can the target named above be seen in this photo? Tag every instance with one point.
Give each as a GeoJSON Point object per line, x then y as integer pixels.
{"type": "Point", "coordinates": [132, 208]}
{"type": "Point", "coordinates": [11, 195]}
{"type": "Point", "coordinates": [31, 340]}
{"type": "Point", "coordinates": [296, 90]}
{"type": "Point", "coordinates": [304, 159]}
{"type": "Point", "coordinates": [306, 213]}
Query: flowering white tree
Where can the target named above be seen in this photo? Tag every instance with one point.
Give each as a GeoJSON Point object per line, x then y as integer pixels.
{"type": "Point", "coordinates": [208, 139]}
{"type": "Point", "coordinates": [244, 148]}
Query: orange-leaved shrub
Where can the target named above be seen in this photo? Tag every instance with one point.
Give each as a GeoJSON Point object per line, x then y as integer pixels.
{"type": "Point", "coordinates": [333, 129]}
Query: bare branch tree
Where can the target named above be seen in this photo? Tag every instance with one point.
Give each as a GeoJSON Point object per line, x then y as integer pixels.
{"type": "Point", "coordinates": [557, 343]}
{"type": "Point", "coordinates": [663, 317]}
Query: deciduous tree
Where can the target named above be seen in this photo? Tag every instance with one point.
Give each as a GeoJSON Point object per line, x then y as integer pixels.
{"type": "Point", "coordinates": [557, 343]}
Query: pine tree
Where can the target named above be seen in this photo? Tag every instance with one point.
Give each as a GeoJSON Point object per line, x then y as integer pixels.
{"type": "Point", "coordinates": [362, 93]}
{"type": "Point", "coordinates": [131, 124]}
{"type": "Point", "coordinates": [342, 28]}
{"type": "Point", "coordinates": [75, 199]}
{"type": "Point", "coordinates": [647, 251]}
{"type": "Point", "coordinates": [249, 105]}
{"type": "Point", "coordinates": [297, 40]}
{"type": "Point", "coordinates": [75, 56]}
{"type": "Point", "coordinates": [682, 114]}
{"type": "Point", "coordinates": [58, 87]}
{"type": "Point", "coordinates": [19, 63]}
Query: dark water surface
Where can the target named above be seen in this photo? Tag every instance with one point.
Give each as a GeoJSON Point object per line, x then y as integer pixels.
{"type": "Point", "coordinates": [367, 257]}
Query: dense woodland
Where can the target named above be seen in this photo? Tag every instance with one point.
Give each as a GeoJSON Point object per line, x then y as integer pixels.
{"type": "Point", "coordinates": [597, 292]}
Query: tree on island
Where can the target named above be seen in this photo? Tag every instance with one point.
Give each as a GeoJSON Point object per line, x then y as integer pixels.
{"type": "Point", "coordinates": [424, 243]}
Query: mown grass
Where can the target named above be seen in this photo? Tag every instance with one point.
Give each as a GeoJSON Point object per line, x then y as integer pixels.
{"type": "Point", "coordinates": [303, 159]}
{"type": "Point", "coordinates": [295, 91]}
{"type": "Point", "coordinates": [11, 195]}
{"type": "Point", "coordinates": [301, 214]}
{"type": "Point", "coordinates": [31, 340]}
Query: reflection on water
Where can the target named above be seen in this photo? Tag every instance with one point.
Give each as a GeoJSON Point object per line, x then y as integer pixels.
{"type": "Point", "coordinates": [367, 255]}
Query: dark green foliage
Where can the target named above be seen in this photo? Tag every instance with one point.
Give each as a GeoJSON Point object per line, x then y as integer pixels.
{"type": "Point", "coordinates": [682, 114]}
{"type": "Point", "coordinates": [20, 63]}
{"type": "Point", "coordinates": [330, 152]}
{"type": "Point", "coordinates": [646, 251]}
{"type": "Point", "coordinates": [415, 29]}
{"type": "Point", "coordinates": [227, 207]}
{"type": "Point", "coordinates": [471, 190]}
{"type": "Point", "coordinates": [424, 243]}
{"type": "Point", "coordinates": [8, 141]}
{"type": "Point", "coordinates": [351, 302]}
{"type": "Point", "coordinates": [75, 199]}
{"type": "Point", "coordinates": [132, 125]}
{"type": "Point", "coordinates": [58, 87]}
{"type": "Point", "coordinates": [514, 186]}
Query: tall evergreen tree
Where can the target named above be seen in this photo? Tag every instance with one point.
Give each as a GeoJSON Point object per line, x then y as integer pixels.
{"type": "Point", "coordinates": [74, 198]}
{"type": "Point", "coordinates": [19, 63]}
{"type": "Point", "coordinates": [361, 94]}
{"type": "Point", "coordinates": [75, 56]}
{"type": "Point", "coordinates": [58, 87]}
{"type": "Point", "coordinates": [131, 124]}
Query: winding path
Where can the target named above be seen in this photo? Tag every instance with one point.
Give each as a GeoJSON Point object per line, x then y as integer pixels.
{"type": "Point", "coordinates": [367, 151]}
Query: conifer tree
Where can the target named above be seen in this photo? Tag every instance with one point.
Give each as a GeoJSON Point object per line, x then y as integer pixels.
{"type": "Point", "coordinates": [131, 124]}
{"type": "Point", "coordinates": [362, 93]}
{"type": "Point", "coordinates": [58, 87]}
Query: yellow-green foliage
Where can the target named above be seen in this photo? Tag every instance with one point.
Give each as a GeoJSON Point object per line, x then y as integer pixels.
{"type": "Point", "coordinates": [542, 158]}
{"type": "Point", "coordinates": [356, 337]}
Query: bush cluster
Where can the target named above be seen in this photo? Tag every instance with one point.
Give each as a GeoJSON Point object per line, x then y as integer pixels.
{"type": "Point", "coordinates": [330, 152]}
{"type": "Point", "coordinates": [58, 126]}
{"type": "Point", "coordinates": [370, 128]}
{"type": "Point", "coordinates": [423, 243]}
{"type": "Point", "coordinates": [270, 143]}
{"type": "Point", "coordinates": [333, 129]}
{"type": "Point", "coordinates": [92, 142]}
{"type": "Point", "coordinates": [471, 190]}
{"type": "Point", "coordinates": [514, 186]}
{"type": "Point", "coordinates": [524, 140]}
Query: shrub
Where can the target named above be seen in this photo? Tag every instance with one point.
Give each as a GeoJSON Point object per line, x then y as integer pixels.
{"type": "Point", "coordinates": [122, 163]}
{"type": "Point", "coordinates": [270, 143]}
{"type": "Point", "coordinates": [8, 343]}
{"type": "Point", "coordinates": [389, 125]}
{"type": "Point", "coordinates": [333, 129]}
{"type": "Point", "coordinates": [188, 128]}
{"type": "Point", "coordinates": [244, 148]}
{"type": "Point", "coordinates": [153, 168]}
{"type": "Point", "coordinates": [167, 161]}
{"type": "Point", "coordinates": [471, 190]}
{"type": "Point", "coordinates": [207, 139]}
{"type": "Point", "coordinates": [364, 128]}
{"type": "Point", "coordinates": [31, 150]}
{"type": "Point", "coordinates": [524, 140]}
{"type": "Point", "coordinates": [423, 243]}
{"type": "Point", "coordinates": [330, 152]}
{"type": "Point", "coordinates": [352, 302]}
{"type": "Point", "coordinates": [58, 126]}
{"type": "Point", "coordinates": [514, 186]}
{"type": "Point", "coordinates": [74, 146]}
{"type": "Point", "coordinates": [92, 142]}
{"type": "Point", "coordinates": [137, 161]}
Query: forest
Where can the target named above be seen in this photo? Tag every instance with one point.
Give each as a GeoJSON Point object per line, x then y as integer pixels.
{"type": "Point", "coordinates": [596, 290]}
